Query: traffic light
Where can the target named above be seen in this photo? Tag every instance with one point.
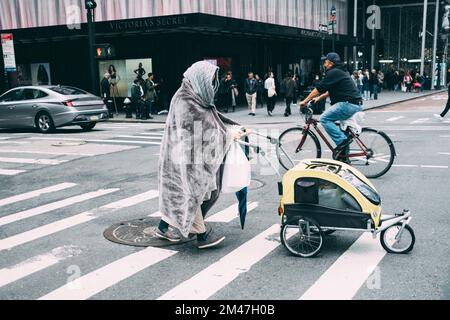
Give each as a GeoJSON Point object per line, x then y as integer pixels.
{"type": "Point", "coordinates": [104, 51]}
{"type": "Point", "coordinates": [90, 4]}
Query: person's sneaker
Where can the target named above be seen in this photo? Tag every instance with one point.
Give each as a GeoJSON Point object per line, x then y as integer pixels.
{"type": "Point", "coordinates": [168, 235]}
{"type": "Point", "coordinates": [340, 149]}
{"type": "Point", "coordinates": [210, 241]}
{"type": "Point", "coordinates": [438, 117]}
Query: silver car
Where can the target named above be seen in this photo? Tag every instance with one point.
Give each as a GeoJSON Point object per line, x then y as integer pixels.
{"type": "Point", "coordinates": [50, 107]}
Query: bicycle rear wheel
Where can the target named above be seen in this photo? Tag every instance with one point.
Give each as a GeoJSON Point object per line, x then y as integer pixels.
{"type": "Point", "coordinates": [290, 155]}
{"type": "Point", "coordinates": [380, 153]}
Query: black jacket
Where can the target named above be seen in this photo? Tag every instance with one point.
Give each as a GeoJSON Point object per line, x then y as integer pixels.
{"type": "Point", "coordinates": [105, 88]}
{"type": "Point", "coordinates": [340, 85]}
{"type": "Point", "coordinates": [250, 86]}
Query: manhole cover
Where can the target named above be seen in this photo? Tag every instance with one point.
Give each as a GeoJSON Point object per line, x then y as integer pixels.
{"type": "Point", "coordinates": [68, 144]}
{"type": "Point", "coordinates": [256, 184]}
{"type": "Point", "coordinates": [139, 233]}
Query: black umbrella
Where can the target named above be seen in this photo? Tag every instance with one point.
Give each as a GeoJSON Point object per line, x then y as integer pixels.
{"type": "Point", "coordinates": [242, 197]}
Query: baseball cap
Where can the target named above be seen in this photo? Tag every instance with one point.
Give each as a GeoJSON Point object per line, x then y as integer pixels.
{"type": "Point", "coordinates": [333, 57]}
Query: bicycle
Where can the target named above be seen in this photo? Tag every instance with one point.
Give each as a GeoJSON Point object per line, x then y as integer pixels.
{"type": "Point", "coordinates": [371, 151]}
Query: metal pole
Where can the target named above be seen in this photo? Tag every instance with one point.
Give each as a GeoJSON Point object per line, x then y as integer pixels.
{"type": "Point", "coordinates": [355, 32]}
{"type": "Point", "coordinates": [372, 60]}
{"type": "Point", "coordinates": [424, 36]}
{"type": "Point", "coordinates": [399, 39]}
{"type": "Point", "coordinates": [91, 31]}
{"type": "Point", "coordinates": [333, 38]}
{"type": "Point", "coordinates": [433, 69]}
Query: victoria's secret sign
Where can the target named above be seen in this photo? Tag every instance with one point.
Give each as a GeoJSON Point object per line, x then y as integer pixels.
{"type": "Point", "coordinates": [142, 24]}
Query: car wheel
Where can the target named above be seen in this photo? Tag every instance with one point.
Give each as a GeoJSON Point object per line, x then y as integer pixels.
{"type": "Point", "coordinates": [44, 123]}
{"type": "Point", "coordinates": [88, 126]}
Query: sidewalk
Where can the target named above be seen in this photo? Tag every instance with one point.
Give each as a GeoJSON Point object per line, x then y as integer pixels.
{"type": "Point", "coordinates": [241, 115]}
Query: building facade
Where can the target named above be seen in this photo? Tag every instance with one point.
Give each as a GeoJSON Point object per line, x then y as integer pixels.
{"type": "Point", "coordinates": [169, 35]}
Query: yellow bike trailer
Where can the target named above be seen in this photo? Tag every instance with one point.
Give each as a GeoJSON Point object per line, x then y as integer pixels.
{"type": "Point", "coordinates": [321, 196]}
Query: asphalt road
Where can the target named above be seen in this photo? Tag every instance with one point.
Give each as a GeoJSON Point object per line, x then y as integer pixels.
{"type": "Point", "coordinates": [52, 244]}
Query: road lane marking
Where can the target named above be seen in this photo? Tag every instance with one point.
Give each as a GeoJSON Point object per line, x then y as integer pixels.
{"type": "Point", "coordinates": [230, 213]}
{"type": "Point", "coordinates": [346, 276]}
{"type": "Point", "coordinates": [47, 153]}
{"type": "Point", "coordinates": [394, 119]}
{"type": "Point", "coordinates": [152, 134]}
{"type": "Point", "coordinates": [54, 206]}
{"type": "Point", "coordinates": [405, 165]}
{"type": "Point", "coordinates": [35, 264]}
{"type": "Point", "coordinates": [435, 167]}
{"type": "Point", "coordinates": [422, 120]}
{"type": "Point", "coordinates": [4, 172]}
{"type": "Point", "coordinates": [137, 137]}
{"type": "Point", "coordinates": [40, 232]}
{"type": "Point", "coordinates": [36, 193]}
{"type": "Point", "coordinates": [218, 275]}
{"type": "Point", "coordinates": [109, 275]}
{"type": "Point", "coordinates": [51, 162]}
{"type": "Point", "coordinates": [95, 140]}
{"type": "Point", "coordinates": [444, 153]}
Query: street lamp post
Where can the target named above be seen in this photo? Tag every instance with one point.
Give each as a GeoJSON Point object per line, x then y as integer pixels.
{"type": "Point", "coordinates": [333, 22]}
{"type": "Point", "coordinates": [90, 6]}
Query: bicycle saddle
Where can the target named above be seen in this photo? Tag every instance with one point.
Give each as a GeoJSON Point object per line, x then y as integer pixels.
{"type": "Point", "coordinates": [353, 123]}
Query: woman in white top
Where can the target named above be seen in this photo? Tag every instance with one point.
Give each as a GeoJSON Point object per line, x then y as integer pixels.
{"type": "Point", "coordinates": [269, 85]}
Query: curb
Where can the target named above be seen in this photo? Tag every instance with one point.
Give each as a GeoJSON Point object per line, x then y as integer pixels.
{"type": "Point", "coordinates": [259, 123]}
{"type": "Point", "coordinates": [406, 100]}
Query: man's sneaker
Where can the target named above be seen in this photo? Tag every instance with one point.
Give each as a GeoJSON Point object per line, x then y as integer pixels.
{"type": "Point", "coordinates": [341, 149]}
{"type": "Point", "coordinates": [210, 241]}
{"type": "Point", "coordinates": [168, 235]}
{"type": "Point", "coordinates": [438, 117]}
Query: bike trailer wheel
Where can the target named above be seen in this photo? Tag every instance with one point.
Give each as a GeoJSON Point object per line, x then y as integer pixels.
{"type": "Point", "coordinates": [302, 237]}
{"type": "Point", "coordinates": [393, 242]}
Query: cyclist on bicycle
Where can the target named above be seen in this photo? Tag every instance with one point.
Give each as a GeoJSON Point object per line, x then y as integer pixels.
{"type": "Point", "coordinates": [345, 97]}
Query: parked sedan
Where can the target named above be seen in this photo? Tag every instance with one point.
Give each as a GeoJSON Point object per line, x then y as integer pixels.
{"type": "Point", "coordinates": [50, 107]}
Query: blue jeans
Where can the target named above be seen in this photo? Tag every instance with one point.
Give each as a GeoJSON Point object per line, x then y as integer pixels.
{"type": "Point", "coordinates": [340, 111]}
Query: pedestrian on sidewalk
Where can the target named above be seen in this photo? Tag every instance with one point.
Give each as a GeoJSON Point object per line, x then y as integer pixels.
{"type": "Point", "coordinates": [269, 85]}
{"type": "Point", "coordinates": [441, 116]}
{"type": "Point", "coordinates": [150, 95]}
{"type": "Point", "coordinates": [290, 86]}
{"type": "Point", "coordinates": [106, 94]}
{"type": "Point", "coordinates": [189, 184]}
{"type": "Point", "coordinates": [366, 86]}
{"type": "Point", "coordinates": [229, 89]}
{"type": "Point", "coordinates": [138, 100]}
{"type": "Point", "coordinates": [374, 84]}
{"type": "Point", "coordinates": [251, 93]}
{"type": "Point", "coordinates": [407, 81]}
{"type": "Point", "coordinates": [260, 96]}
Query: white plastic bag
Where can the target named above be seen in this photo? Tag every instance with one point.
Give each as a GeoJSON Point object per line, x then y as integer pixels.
{"type": "Point", "coordinates": [237, 170]}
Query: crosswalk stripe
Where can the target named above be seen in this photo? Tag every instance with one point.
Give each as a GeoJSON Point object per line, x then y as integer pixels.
{"type": "Point", "coordinates": [230, 213]}
{"type": "Point", "coordinates": [137, 137]}
{"type": "Point", "coordinates": [36, 193]}
{"type": "Point", "coordinates": [225, 216]}
{"type": "Point", "coordinates": [346, 276]}
{"type": "Point", "coordinates": [215, 277]}
{"type": "Point", "coordinates": [109, 275]}
{"type": "Point", "coordinates": [14, 142]}
{"type": "Point", "coordinates": [54, 206]}
{"type": "Point", "coordinates": [35, 264]}
{"type": "Point", "coordinates": [152, 134]}
{"type": "Point", "coordinates": [40, 232]}
{"type": "Point", "coordinates": [47, 153]}
{"type": "Point", "coordinates": [5, 172]}
{"type": "Point", "coordinates": [95, 140]}
{"type": "Point", "coordinates": [394, 119]}
{"type": "Point", "coordinates": [51, 162]}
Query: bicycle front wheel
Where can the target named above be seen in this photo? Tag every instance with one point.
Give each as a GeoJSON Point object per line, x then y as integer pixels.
{"type": "Point", "coordinates": [379, 153]}
{"type": "Point", "coordinates": [294, 147]}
